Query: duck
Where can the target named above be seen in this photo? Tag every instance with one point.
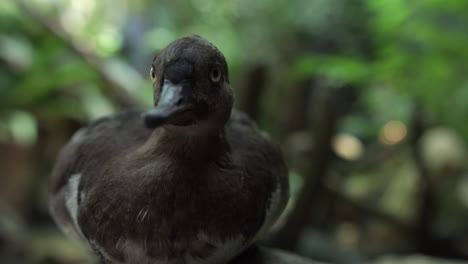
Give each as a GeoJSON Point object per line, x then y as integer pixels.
{"type": "Point", "coordinates": [188, 181]}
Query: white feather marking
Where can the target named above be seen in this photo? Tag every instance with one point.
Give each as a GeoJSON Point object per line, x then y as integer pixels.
{"type": "Point", "coordinates": [272, 212]}
{"type": "Point", "coordinates": [78, 135]}
{"type": "Point", "coordinates": [224, 251]}
{"type": "Point", "coordinates": [104, 253]}
{"type": "Point", "coordinates": [71, 199]}
{"type": "Point", "coordinates": [135, 252]}
{"type": "Point", "coordinates": [142, 214]}
{"type": "Point", "coordinates": [139, 218]}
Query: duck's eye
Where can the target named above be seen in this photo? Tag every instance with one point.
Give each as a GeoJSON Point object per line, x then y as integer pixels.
{"type": "Point", "coordinates": [153, 75]}
{"type": "Point", "coordinates": [215, 75]}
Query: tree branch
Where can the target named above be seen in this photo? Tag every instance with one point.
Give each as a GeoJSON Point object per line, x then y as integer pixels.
{"type": "Point", "coordinates": [249, 95]}
{"type": "Point", "coordinates": [341, 200]}
{"type": "Point", "coordinates": [111, 87]}
{"type": "Point", "coordinates": [315, 167]}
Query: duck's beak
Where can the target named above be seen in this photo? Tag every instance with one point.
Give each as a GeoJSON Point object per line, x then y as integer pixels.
{"type": "Point", "coordinates": [175, 106]}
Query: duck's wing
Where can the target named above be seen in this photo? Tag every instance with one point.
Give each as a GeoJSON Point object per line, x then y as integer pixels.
{"type": "Point", "coordinates": [85, 153]}
{"type": "Point", "coordinates": [264, 168]}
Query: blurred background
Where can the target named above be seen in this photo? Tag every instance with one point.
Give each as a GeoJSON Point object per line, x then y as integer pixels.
{"type": "Point", "coordinates": [368, 100]}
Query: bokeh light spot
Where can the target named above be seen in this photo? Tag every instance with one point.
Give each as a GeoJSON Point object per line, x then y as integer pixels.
{"type": "Point", "coordinates": [347, 146]}
{"type": "Point", "coordinates": [393, 132]}
{"type": "Point", "coordinates": [23, 128]}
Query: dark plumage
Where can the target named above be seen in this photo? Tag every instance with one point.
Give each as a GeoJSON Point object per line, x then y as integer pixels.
{"type": "Point", "coordinates": [185, 182]}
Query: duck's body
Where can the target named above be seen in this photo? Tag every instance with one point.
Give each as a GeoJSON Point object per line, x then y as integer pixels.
{"type": "Point", "coordinates": [168, 194]}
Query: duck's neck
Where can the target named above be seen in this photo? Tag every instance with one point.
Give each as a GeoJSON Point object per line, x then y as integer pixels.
{"type": "Point", "coordinates": [180, 144]}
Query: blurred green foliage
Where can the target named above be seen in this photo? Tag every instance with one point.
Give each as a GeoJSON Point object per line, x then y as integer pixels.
{"type": "Point", "coordinates": [392, 48]}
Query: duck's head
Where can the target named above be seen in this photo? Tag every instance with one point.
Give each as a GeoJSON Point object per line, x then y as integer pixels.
{"type": "Point", "coordinates": [191, 86]}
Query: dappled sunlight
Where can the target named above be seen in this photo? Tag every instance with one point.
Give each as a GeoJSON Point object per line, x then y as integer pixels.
{"type": "Point", "coordinates": [348, 234]}
{"type": "Point", "coordinates": [22, 127]}
{"type": "Point", "coordinates": [347, 146]}
{"type": "Point", "coordinates": [443, 149]}
{"type": "Point", "coordinates": [462, 191]}
{"type": "Point", "coordinates": [108, 41]}
{"type": "Point", "coordinates": [393, 132]}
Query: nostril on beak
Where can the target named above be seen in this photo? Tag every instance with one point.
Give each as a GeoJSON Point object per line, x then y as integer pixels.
{"type": "Point", "coordinates": [180, 101]}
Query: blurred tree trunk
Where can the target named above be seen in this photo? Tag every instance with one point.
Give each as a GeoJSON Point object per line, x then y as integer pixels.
{"type": "Point", "coordinates": [16, 175]}
{"type": "Point", "coordinates": [249, 95]}
{"type": "Point", "coordinates": [426, 237]}
{"type": "Point", "coordinates": [313, 168]}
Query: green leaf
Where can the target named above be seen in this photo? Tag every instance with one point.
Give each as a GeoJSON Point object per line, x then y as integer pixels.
{"type": "Point", "coordinates": [336, 68]}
